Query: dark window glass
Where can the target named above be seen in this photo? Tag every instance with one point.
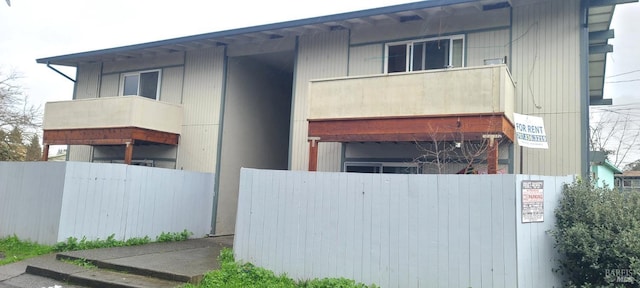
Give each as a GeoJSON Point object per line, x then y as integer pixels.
{"type": "Point", "coordinates": [149, 84]}
{"type": "Point", "coordinates": [437, 54]}
{"type": "Point", "coordinates": [397, 61]}
{"type": "Point", "coordinates": [418, 56]}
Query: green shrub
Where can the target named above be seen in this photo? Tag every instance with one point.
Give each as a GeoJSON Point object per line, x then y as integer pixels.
{"type": "Point", "coordinates": [597, 233]}
{"type": "Point", "coordinates": [234, 274]}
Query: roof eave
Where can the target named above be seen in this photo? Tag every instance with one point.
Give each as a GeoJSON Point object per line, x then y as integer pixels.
{"type": "Point", "coordinates": [72, 59]}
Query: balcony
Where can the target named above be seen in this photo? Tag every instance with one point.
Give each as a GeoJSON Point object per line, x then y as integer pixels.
{"type": "Point", "coordinates": [124, 120]}
{"type": "Point", "coordinates": [458, 91]}
{"type": "Point", "coordinates": [458, 104]}
{"type": "Point", "coordinates": [113, 112]}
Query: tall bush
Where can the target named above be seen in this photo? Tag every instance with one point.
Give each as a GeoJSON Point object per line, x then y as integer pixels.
{"type": "Point", "coordinates": [597, 233]}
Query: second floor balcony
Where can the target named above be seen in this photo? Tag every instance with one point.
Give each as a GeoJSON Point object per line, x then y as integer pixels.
{"type": "Point", "coordinates": [113, 112]}
{"type": "Point", "coordinates": [447, 92]}
{"type": "Point", "coordinates": [123, 120]}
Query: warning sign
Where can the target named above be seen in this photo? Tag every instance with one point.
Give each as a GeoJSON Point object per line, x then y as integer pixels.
{"type": "Point", "coordinates": [532, 201]}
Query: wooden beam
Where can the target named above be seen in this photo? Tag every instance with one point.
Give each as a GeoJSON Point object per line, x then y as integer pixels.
{"type": "Point", "coordinates": [492, 157]}
{"type": "Point", "coordinates": [107, 136]}
{"type": "Point", "coordinates": [313, 154]}
{"type": "Point", "coordinates": [443, 128]}
{"type": "Point", "coordinates": [45, 152]}
{"type": "Point", "coordinates": [128, 153]}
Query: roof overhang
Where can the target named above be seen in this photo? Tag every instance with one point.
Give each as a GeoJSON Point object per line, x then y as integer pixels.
{"type": "Point", "coordinates": [397, 13]}
{"type": "Point", "coordinates": [599, 20]}
{"type": "Point", "coordinates": [600, 13]}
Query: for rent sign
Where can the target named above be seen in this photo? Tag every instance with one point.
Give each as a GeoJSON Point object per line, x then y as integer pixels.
{"type": "Point", "coordinates": [530, 131]}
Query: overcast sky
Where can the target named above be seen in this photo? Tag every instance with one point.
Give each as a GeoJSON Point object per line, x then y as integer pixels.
{"type": "Point", "coordinates": [34, 29]}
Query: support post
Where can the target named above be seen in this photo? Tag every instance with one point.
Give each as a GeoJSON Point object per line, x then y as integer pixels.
{"type": "Point", "coordinates": [45, 152]}
{"type": "Point", "coordinates": [313, 153]}
{"type": "Point", "coordinates": [128, 153]}
{"type": "Point", "coordinates": [492, 153]}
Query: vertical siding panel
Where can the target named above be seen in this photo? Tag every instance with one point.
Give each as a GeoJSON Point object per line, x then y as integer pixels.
{"type": "Point", "coordinates": [368, 222]}
{"type": "Point", "coordinates": [171, 85]}
{"type": "Point", "coordinates": [464, 222]}
{"type": "Point", "coordinates": [87, 86]}
{"type": "Point", "coordinates": [475, 233]}
{"type": "Point", "coordinates": [273, 220]}
{"type": "Point", "coordinates": [109, 85]}
{"type": "Point", "coordinates": [240, 241]}
{"type": "Point", "coordinates": [496, 213]}
{"type": "Point", "coordinates": [450, 189]}
{"type": "Point", "coordinates": [487, 45]}
{"type": "Point", "coordinates": [320, 55]}
{"type": "Point", "coordinates": [203, 81]}
{"type": "Point", "coordinates": [413, 198]}
{"type": "Point", "coordinates": [403, 206]}
{"type": "Point", "coordinates": [356, 184]}
{"type": "Point", "coordinates": [346, 227]}
{"type": "Point", "coordinates": [547, 69]}
{"type": "Point", "coordinates": [443, 232]}
{"type": "Point", "coordinates": [510, 219]}
{"type": "Point", "coordinates": [366, 60]}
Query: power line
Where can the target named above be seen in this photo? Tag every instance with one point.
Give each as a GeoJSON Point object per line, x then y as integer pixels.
{"type": "Point", "coordinates": [625, 73]}
{"type": "Point", "coordinates": [622, 81]}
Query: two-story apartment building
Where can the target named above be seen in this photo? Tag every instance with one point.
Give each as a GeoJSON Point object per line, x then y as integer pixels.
{"type": "Point", "coordinates": [425, 87]}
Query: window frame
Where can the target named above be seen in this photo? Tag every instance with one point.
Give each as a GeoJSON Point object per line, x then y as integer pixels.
{"type": "Point", "coordinates": [382, 165]}
{"type": "Point", "coordinates": [409, 51]}
{"type": "Point", "coordinates": [139, 74]}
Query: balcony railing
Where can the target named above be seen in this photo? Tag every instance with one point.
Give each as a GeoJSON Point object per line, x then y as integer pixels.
{"type": "Point", "coordinates": [113, 112]}
{"type": "Point", "coordinates": [456, 91]}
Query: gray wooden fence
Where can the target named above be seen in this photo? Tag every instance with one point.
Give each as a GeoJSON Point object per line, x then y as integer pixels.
{"type": "Point", "coordinates": [396, 230]}
{"type": "Point", "coordinates": [48, 202]}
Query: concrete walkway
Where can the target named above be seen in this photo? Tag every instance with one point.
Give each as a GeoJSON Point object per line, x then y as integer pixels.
{"type": "Point", "coordinates": [151, 265]}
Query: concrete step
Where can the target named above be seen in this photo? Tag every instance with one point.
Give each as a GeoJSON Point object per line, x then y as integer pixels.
{"type": "Point", "coordinates": [94, 277]}
{"type": "Point", "coordinates": [135, 269]}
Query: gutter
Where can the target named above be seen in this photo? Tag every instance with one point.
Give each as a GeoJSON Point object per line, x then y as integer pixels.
{"type": "Point", "coordinates": [60, 72]}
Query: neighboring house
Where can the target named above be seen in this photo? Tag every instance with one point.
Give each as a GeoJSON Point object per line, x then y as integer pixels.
{"type": "Point", "coordinates": [628, 180]}
{"type": "Point", "coordinates": [378, 90]}
{"type": "Point", "coordinates": [603, 171]}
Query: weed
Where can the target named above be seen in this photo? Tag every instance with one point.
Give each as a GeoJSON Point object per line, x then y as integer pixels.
{"type": "Point", "coordinates": [173, 236]}
{"type": "Point", "coordinates": [234, 274]}
{"type": "Point", "coordinates": [81, 262]}
{"type": "Point", "coordinates": [72, 243]}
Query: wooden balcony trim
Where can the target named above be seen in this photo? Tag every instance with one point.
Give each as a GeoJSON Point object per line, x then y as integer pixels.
{"type": "Point", "coordinates": [107, 136]}
{"type": "Point", "coordinates": [418, 128]}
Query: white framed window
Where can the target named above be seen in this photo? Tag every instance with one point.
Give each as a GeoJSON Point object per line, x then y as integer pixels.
{"type": "Point", "coordinates": [382, 167]}
{"type": "Point", "coordinates": [424, 54]}
{"type": "Point", "coordinates": [142, 83]}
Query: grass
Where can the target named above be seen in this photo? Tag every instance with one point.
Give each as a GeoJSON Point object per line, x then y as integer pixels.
{"type": "Point", "coordinates": [234, 274]}
{"type": "Point", "coordinates": [13, 249]}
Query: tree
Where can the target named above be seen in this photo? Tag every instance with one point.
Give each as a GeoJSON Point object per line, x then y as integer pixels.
{"type": "Point", "coordinates": [616, 134]}
{"type": "Point", "coordinates": [440, 156]}
{"type": "Point", "coordinates": [33, 150]}
{"type": "Point", "coordinates": [633, 166]}
{"type": "Point", "coordinates": [17, 118]}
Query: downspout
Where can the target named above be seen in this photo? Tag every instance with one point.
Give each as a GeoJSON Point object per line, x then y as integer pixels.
{"type": "Point", "coordinates": [216, 184]}
{"type": "Point", "coordinates": [60, 72]}
{"type": "Point", "coordinates": [584, 86]}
